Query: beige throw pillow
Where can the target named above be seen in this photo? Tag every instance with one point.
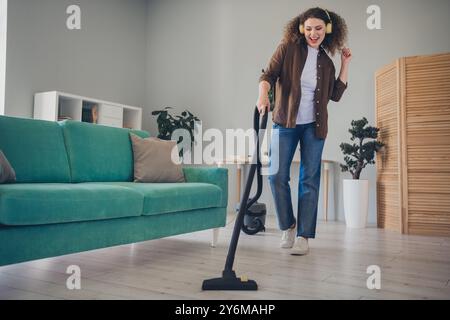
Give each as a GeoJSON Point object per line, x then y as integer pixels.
{"type": "Point", "coordinates": [7, 173]}
{"type": "Point", "coordinates": [152, 160]}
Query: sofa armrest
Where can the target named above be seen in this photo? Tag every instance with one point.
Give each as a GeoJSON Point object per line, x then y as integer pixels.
{"type": "Point", "coordinates": [213, 175]}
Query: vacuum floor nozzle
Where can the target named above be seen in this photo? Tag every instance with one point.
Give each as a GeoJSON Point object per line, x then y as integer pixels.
{"type": "Point", "coordinates": [229, 282]}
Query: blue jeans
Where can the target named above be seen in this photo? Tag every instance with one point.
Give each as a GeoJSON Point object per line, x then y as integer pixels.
{"type": "Point", "coordinates": [282, 149]}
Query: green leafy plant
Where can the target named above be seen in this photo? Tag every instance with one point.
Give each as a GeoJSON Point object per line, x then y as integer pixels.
{"type": "Point", "coordinates": [168, 123]}
{"type": "Point", "coordinates": [360, 153]}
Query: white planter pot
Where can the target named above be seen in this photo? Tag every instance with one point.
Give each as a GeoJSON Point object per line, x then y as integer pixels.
{"type": "Point", "coordinates": [356, 202]}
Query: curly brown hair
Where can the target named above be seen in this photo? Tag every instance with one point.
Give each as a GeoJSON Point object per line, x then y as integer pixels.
{"type": "Point", "coordinates": [333, 42]}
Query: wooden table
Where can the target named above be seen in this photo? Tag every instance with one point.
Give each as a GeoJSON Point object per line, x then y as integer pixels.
{"type": "Point", "coordinates": [240, 162]}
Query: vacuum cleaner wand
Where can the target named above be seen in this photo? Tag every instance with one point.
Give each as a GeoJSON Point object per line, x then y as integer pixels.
{"type": "Point", "coordinates": [229, 281]}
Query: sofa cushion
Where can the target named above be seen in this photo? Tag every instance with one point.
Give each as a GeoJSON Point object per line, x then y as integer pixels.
{"type": "Point", "coordinates": [99, 153]}
{"type": "Point", "coordinates": [31, 204]}
{"type": "Point", "coordinates": [35, 149]}
{"type": "Point", "coordinates": [213, 175]}
{"type": "Point", "coordinates": [172, 197]}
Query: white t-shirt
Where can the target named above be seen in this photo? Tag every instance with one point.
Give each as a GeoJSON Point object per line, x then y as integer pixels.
{"type": "Point", "coordinates": [308, 85]}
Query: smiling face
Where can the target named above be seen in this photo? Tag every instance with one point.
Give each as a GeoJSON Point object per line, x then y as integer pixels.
{"type": "Point", "coordinates": [314, 31]}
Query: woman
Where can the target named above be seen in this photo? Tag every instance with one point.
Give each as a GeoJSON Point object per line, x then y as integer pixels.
{"type": "Point", "coordinates": [304, 79]}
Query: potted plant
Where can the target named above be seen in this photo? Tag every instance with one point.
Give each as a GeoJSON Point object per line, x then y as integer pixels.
{"type": "Point", "coordinates": [357, 156]}
{"type": "Point", "coordinates": [168, 123]}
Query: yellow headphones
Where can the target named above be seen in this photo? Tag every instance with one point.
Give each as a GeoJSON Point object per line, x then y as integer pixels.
{"type": "Point", "coordinates": [329, 27]}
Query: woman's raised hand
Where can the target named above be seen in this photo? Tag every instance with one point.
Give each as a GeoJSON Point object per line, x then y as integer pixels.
{"type": "Point", "coordinates": [346, 55]}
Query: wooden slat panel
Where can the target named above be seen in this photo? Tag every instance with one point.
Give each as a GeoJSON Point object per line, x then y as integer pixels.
{"type": "Point", "coordinates": [424, 137]}
{"type": "Point", "coordinates": [401, 65]}
{"type": "Point", "coordinates": [413, 112]}
{"type": "Point", "coordinates": [429, 204]}
{"type": "Point", "coordinates": [429, 158]}
{"type": "Point", "coordinates": [427, 88]}
{"type": "Point", "coordinates": [388, 197]}
{"type": "Point", "coordinates": [430, 230]}
{"type": "Point", "coordinates": [430, 182]}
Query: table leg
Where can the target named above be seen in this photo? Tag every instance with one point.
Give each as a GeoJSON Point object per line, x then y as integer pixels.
{"type": "Point", "coordinates": [325, 190]}
{"type": "Point", "coordinates": [238, 183]}
{"type": "Point", "coordinates": [215, 237]}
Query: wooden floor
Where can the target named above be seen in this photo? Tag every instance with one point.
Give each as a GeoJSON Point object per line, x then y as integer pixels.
{"type": "Point", "coordinates": [412, 267]}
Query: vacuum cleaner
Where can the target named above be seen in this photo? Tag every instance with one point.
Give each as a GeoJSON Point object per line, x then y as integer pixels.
{"type": "Point", "coordinates": [229, 280]}
{"type": "Point", "coordinates": [255, 218]}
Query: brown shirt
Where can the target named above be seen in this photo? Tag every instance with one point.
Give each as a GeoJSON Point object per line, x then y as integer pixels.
{"type": "Point", "coordinates": [284, 71]}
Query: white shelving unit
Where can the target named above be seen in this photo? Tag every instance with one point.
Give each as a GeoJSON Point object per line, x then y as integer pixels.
{"type": "Point", "coordinates": [55, 105]}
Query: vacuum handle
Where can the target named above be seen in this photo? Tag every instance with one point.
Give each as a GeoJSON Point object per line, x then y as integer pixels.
{"type": "Point", "coordinates": [257, 128]}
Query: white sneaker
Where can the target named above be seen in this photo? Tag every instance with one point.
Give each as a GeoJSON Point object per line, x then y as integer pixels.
{"type": "Point", "coordinates": [301, 247]}
{"type": "Point", "coordinates": [288, 238]}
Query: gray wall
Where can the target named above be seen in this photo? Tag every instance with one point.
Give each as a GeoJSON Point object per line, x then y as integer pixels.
{"type": "Point", "coordinates": [207, 56]}
{"type": "Point", "coordinates": [105, 59]}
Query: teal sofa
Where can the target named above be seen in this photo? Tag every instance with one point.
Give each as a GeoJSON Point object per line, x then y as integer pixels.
{"type": "Point", "coordinates": [75, 192]}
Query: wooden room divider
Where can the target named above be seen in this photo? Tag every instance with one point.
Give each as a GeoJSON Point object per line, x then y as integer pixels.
{"type": "Point", "coordinates": [412, 99]}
